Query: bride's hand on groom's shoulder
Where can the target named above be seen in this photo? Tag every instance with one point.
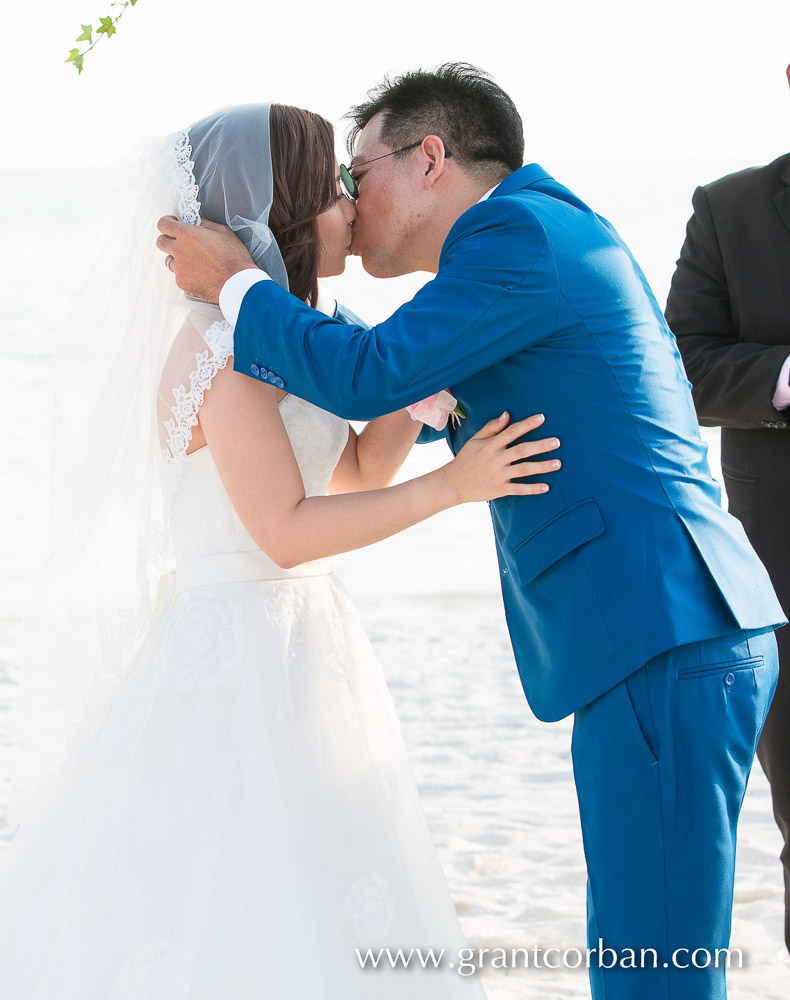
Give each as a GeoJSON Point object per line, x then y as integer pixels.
{"type": "Point", "coordinates": [486, 466]}
{"type": "Point", "coordinates": [202, 257]}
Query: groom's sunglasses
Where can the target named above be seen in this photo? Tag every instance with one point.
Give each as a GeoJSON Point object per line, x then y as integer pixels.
{"type": "Point", "coordinates": [350, 185]}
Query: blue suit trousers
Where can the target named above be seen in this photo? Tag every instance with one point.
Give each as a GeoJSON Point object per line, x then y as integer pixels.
{"type": "Point", "coordinates": [661, 762]}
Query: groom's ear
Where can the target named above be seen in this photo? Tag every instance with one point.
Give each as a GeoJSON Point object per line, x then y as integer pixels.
{"type": "Point", "coordinates": [435, 159]}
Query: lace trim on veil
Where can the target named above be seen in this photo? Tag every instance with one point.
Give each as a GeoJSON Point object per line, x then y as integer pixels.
{"type": "Point", "coordinates": [219, 335]}
{"type": "Point", "coordinates": [123, 636]}
{"type": "Point", "coordinates": [184, 180]}
{"type": "Point", "coordinates": [133, 622]}
{"type": "Point", "coordinates": [188, 401]}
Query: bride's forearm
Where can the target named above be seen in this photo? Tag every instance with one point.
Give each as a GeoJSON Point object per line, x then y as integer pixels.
{"type": "Point", "coordinates": [372, 458]}
{"type": "Point", "coordinates": [256, 462]}
{"type": "Point", "coordinates": [382, 448]}
{"type": "Point", "coordinates": [328, 525]}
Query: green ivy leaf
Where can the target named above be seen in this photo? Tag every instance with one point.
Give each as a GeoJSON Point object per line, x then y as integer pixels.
{"type": "Point", "coordinates": [107, 27]}
{"type": "Point", "coordinates": [76, 58]}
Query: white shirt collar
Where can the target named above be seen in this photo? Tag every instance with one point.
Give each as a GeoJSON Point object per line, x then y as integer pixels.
{"type": "Point", "coordinates": [489, 192]}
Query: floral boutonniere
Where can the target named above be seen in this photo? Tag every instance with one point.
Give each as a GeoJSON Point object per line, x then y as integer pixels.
{"type": "Point", "coordinates": [436, 410]}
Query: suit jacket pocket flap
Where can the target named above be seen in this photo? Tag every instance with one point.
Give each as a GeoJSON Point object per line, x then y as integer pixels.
{"type": "Point", "coordinates": [554, 539]}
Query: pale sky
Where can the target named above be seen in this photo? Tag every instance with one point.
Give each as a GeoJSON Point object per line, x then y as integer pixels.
{"type": "Point", "coordinates": [597, 80]}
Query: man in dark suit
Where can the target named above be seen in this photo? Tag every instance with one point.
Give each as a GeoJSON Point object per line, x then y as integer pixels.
{"type": "Point", "coordinates": [729, 308]}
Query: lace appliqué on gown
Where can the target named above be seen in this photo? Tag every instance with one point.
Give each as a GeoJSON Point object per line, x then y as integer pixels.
{"type": "Point", "coordinates": [202, 644]}
{"type": "Point", "coordinates": [149, 970]}
{"type": "Point", "coordinates": [369, 907]}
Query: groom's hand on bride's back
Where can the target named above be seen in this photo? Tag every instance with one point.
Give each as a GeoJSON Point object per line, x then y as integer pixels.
{"type": "Point", "coordinates": [203, 257]}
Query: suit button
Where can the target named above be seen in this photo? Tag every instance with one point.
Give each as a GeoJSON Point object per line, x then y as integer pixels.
{"type": "Point", "coordinates": [782, 424]}
{"type": "Point", "coordinates": [279, 383]}
{"type": "Point", "coordinates": [271, 377]}
{"type": "Point", "coordinates": [729, 679]}
{"type": "Point", "coordinates": [504, 572]}
{"type": "Point", "coordinates": [255, 370]}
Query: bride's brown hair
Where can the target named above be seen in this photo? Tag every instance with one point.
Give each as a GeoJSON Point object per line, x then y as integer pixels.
{"type": "Point", "coordinates": [303, 168]}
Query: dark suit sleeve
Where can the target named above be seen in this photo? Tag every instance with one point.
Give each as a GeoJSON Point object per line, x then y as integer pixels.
{"type": "Point", "coordinates": [733, 377]}
{"type": "Point", "coordinates": [496, 292]}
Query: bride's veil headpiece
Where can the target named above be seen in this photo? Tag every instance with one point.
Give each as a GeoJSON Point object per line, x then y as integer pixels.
{"type": "Point", "coordinates": [127, 381]}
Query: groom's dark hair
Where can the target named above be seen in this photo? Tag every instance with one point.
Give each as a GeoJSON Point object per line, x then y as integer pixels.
{"type": "Point", "coordinates": [472, 115]}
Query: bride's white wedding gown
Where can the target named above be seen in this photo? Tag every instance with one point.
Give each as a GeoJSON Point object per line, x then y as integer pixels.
{"type": "Point", "coordinates": [248, 818]}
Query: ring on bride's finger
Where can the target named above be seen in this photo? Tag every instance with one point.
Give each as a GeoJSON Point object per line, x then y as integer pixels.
{"type": "Point", "coordinates": [168, 261]}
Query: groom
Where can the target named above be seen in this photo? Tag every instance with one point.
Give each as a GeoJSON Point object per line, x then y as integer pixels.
{"type": "Point", "coordinates": [632, 598]}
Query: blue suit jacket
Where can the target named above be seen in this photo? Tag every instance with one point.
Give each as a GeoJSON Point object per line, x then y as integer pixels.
{"type": "Point", "coordinates": [538, 306]}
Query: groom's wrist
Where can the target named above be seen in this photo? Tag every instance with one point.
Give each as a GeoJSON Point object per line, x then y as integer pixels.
{"type": "Point", "coordinates": [235, 288]}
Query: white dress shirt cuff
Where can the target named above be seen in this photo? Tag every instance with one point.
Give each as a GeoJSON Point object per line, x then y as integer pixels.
{"type": "Point", "coordinates": [234, 290]}
{"type": "Point", "coordinates": [782, 394]}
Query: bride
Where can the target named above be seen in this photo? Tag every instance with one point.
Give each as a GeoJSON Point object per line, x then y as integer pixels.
{"type": "Point", "coordinates": [216, 802]}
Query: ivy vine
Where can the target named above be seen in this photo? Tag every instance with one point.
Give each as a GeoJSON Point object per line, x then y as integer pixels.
{"type": "Point", "coordinates": [92, 36]}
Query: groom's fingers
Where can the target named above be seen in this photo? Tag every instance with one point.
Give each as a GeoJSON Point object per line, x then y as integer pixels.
{"type": "Point", "coordinates": [216, 227]}
{"type": "Point", "coordinates": [170, 226]}
{"type": "Point", "coordinates": [165, 243]}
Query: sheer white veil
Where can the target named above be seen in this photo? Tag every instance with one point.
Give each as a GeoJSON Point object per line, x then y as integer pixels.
{"type": "Point", "coordinates": [120, 431]}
